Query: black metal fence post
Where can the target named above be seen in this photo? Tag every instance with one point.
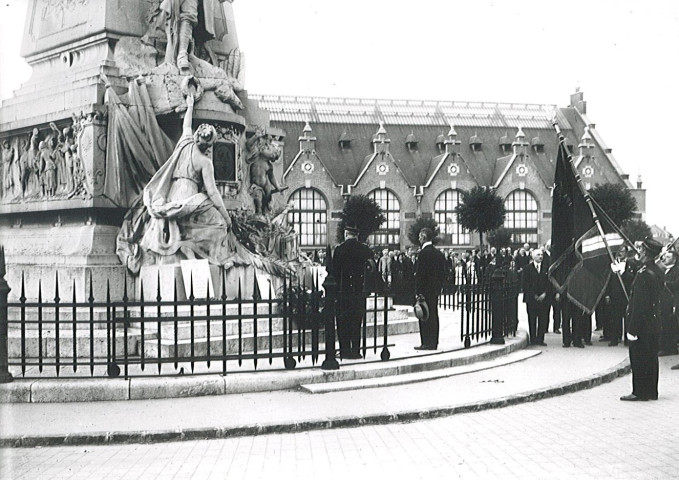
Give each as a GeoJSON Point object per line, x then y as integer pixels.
{"type": "Point", "coordinates": [329, 310]}
{"type": "Point", "coordinates": [5, 376]}
{"type": "Point", "coordinates": [497, 299]}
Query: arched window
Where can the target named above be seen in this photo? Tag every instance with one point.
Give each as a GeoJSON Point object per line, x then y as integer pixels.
{"type": "Point", "coordinates": [522, 217]}
{"type": "Point", "coordinates": [452, 233]}
{"type": "Point", "coordinates": [309, 217]}
{"type": "Point", "coordinates": [389, 235]}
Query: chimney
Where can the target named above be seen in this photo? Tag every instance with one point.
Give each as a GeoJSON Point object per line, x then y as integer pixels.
{"type": "Point", "coordinates": [578, 101]}
{"type": "Point", "coordinates": [639, 182]}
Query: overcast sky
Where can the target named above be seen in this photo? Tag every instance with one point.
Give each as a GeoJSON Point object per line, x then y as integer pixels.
{"type": "Point", "coordinates": [622, 54]}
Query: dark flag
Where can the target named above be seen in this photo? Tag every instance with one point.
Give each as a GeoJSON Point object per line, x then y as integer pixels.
{"type": "Point", "coordinates": [581, 261]}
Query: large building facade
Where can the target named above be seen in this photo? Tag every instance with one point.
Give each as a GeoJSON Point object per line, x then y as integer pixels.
{"type": "Point", "coordinates": [416, 157]}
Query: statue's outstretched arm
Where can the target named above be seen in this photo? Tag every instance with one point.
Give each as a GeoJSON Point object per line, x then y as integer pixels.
{"type": "Point", "coordinates": [188, 117]}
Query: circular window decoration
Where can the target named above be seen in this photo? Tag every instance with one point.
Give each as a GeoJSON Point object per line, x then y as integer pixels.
{"type": "Point", "coordinates": [382, 168]}
{"type": "Point", "coordinates": [453, 169]}
{"type": "Point", "coordinates": [588, 171]}
{"type": "Point", "coordinates": [521, 170]}
{"type": "Point", "coordinates": [307, 167]}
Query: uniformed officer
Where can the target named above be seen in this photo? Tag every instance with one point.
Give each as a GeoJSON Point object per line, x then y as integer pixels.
{"type": "Point", "coordinates": [643, 328]}
{"type": "Point", "coordinates": [349, 264]}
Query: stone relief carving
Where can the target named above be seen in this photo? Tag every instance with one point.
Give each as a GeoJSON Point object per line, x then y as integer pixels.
{"type": "Point", "coordinates": [49, 165]}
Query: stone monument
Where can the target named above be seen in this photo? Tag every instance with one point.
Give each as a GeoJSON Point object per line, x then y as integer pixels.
{"type": "Point", "coordinates": [114, 85]}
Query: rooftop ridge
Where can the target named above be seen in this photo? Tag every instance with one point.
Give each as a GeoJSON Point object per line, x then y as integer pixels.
{"type": "Point", "coordinates": [400, 102]}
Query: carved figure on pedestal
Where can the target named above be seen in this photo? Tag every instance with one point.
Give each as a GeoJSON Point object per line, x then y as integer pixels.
{"type": "Point", "coordinates": [9, 164]}
{"type": "Point", "coordinates": [262, 153]}
{"type": "Point", "coordinates": [182, 25]}
{"type": "Point", "coordinates": [28, 161]}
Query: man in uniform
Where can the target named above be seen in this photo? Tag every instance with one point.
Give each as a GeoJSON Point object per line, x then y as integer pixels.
{"type": "Point", "coordinates": [349, 263]}
{"type": "Point", "coordinates": [430, 275]}
{"type": "Point", "coordinates": [643, 328]}
{"type": "Point", "coordinates": [668, 342]}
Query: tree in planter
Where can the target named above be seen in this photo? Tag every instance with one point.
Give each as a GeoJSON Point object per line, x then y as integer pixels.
{"type": "Point", "coordinates": [636, 230]}
{"type": "Point", "coordinates": [420, 223]}
{"type": "Point", "coordinates": [363, 213]}
{"type": "Point", "coordinates": [616, 200]}
{"type": "Point", "coordinates": [480, 210]}
{"type": "Point", "coordinates": [499, 238]}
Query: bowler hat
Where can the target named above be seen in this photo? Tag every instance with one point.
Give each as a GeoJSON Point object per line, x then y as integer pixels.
{"type": "Point", "coordinates": [421, 308]}
{"type": "Point", "coordinates": [653, 247]}
{"type": "Point", "coordinates": [351, 229]}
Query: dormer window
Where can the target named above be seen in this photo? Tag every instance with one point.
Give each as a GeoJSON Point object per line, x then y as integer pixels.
{"type": "Point", "coordinates": [411, 142]}
{"type": "Point", "coordinates": [344, 141]}
{"type": "Point", "coordinates": [538, 145]}
{"type": "Point", "coordinates": [441, 142]}
{"type": "Point", "coordinates": [475, 143]}
{"type": "Point", "coordinates": [505, 144]}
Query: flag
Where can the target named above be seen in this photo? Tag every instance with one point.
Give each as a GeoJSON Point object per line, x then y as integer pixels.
{"type": "Point", "coordinates": [582, 263]}
{"type": "Point", "coordinates": [571, 218]}
{"type": "Point", "coordinates": [587, 283]}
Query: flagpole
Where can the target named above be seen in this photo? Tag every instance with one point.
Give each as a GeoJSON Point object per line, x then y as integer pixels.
{"type": "Point", "coordinates": [588, 200]}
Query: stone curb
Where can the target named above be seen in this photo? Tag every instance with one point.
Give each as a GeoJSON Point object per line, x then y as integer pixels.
{"type": "Point", "coordinates": [137, 388]}
{"type": "Point", "coordinates": [110, 438]}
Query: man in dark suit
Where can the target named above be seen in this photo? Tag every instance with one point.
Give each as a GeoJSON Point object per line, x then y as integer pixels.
{"type": "Point", "coordinates": [430, 274]}
{"type": "Point", "coordinates": [349, 263]}
{"type": "Point", "coordinates": [668, 343]}
{"type": "Point", "coordinates": [643, 326]}
{"type": "Point", "coordinates": [537, 294]}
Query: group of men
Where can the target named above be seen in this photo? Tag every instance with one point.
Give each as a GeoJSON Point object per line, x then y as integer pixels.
{"type": "Point", "coordinates": [650, 316]}
{"type": "Point", "coordinates": [352, 259]}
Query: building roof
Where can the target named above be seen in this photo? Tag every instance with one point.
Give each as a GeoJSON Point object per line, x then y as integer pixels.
{"type": "Point", "coordinates": [426, 121]}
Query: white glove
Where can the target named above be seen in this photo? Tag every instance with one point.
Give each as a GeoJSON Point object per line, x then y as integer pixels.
{"type": "Point", "coordinates": [618, 267]}
{"type": "Point", "coordinates": [631, 337]}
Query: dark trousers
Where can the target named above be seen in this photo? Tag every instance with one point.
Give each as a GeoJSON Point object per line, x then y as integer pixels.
{"type": "Point", "coordinates": [557, 314]}
{"type": "Point", "coordinates": [350, 315]}
{"type": "Point", "coordinates": [574, 324]}
{"type": "Point", "coordinates": [643, 356]}
{"type": "Point", "coordinates": [429, 330]}
{"type": "Point", "coordinates": [668, 340]}
{"type": "Point", "coordinates": [538, 320]}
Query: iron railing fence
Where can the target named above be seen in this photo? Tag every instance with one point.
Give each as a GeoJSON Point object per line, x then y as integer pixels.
{"type": "Point", "coordinates": [481, 296]}
{"type": "Point", "coordinates": [203, 334]}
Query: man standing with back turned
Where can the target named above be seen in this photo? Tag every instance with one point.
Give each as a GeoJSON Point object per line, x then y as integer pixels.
{"type": "Point", "coordinates": [643, 328]}
{"type": "Point", "coordinates": [349, 262]}
{"type": "Point", "coordinates": [430, 274]}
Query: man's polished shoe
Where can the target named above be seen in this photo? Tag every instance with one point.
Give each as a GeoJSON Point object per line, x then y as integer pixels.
{"type": "Point", "coordinates": [675, 367]}
{"type": "Point", "coordinates": [542, 344]}
{"type": "Point", "coordinates": [604, 338]}
{"type": "Point", "coordinates": [578, 345]}
{"type": "Point", "coordinates": [425, 347]}
{"type": "Point", "coordinates": [588, 343]}
{"type": "Point", "coordinates": [633, 398]}
{"type": "Point", "coordinates": [613, 343]}
{"type": "Point", "coordinates": [556, 330]}
{"type": "Point", "coordinates": [566, 345]}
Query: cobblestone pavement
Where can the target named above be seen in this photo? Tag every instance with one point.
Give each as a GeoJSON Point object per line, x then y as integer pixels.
{"type": "Point", "coordinates": [588, 434]}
